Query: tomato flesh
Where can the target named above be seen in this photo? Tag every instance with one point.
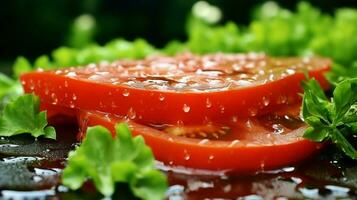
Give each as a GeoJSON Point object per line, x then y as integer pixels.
{"type": "Point", "coordinates": [248, 148]}
{"type": "Point", "coordinates": [187, 89]}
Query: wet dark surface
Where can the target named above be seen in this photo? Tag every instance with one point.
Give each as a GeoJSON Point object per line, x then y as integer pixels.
{"type": "Point", "coordinates": [31, 169]}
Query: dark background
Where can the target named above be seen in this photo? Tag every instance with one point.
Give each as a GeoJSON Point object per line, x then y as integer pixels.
{"type": "Point", "coordinates": [35, 27]}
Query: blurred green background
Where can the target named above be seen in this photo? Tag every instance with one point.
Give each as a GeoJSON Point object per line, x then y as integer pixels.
{"type": "Point", "coordinates": [32, 28]}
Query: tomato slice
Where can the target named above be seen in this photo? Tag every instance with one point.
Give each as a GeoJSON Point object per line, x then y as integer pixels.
{"type": "Point", "coordinates": [249, 146]}
{"type": "Point", "coordinates": [186, 89]}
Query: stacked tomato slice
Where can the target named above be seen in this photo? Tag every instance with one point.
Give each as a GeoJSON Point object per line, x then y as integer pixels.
{"type": "Point", "coordinates": [231, 112]}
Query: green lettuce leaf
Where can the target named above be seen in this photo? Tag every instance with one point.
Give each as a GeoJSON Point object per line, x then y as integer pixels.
{"type": "Point", "coordinates": [107, 161]}
{"type": "Point", "coordinates": [22, 116]}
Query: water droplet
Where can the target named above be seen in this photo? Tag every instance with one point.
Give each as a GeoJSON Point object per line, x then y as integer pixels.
{"type": "Point", "coordinates": [266, 101]}
{"type": "Point", "coordinates": [179, 123]}
{"type": "Point", "coordinates": [278, 129]}
{"type": "Point", "coordinates": [187, 157]}
{"type": "Point", "coordinates": [186, 108]}
{"type": "Point", "coordinates": [32, 85]}
{"type": "Point", "coordinates": [252, 111]}
{"type": "Point", "coordinates": [54, 98]}
{"type": "Point", "coordinates": [282, 99]}
{"type": "Point", "coordinates": [290, 71]}
{"type": "Point", "coordinates": [113, 104]}
{"type": "Point", "coordinates": [208, 103]}
{"type": "Point", "coordinates": [204, 141]}
{"type": "Point", "coordinates": [48, 150]}
{"type": "Point", "coordinates": [248, 124]}
{"type": "Point", "coordinates": [46, 91]}
{"type": "Point", "coordinates": [71, 104]}
{"type": "Point", "coordinates": [243, 83]}
{"type": "Point", "coordinates": [95, 77]}
{"type": "Point", "coordinates": [234, 119]}
{"type": "Point", "coordinates": [23, 82]}
{"type": "Point", "coordinates": [262, 165]}
{"type": "Point", "coordinates": [227, 188]}
{"type": "Point", "coordinates": [221, 108]}
{"type": "Point", "coordinates": [211, 157]}
{"type": "Point", "coordinates": [131, 113]}
{"type": "Point", "coordinates": [233, 143]}
{"type": "Point", "coordinates": [74, 97]}
{"type": "Point", "coordinates": [161, 97]}
{"type": "Point", "coordinates": [71, 74]}
{"type": "Point", "coordinates": [126, 93]}
{"type": "Point", "coordinates": [170, 139]}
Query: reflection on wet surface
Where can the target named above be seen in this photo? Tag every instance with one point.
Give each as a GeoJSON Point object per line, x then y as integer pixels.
{"type": "Point", "coordinates": [31, 169]}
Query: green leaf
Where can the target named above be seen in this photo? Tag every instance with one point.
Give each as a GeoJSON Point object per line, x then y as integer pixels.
{"type": "Point", "coordinates": [316, 134]}
{"type": "Point", "coordinates": [344, 97]}
{"type": "Point", "coordinates": [43, 62]}
{"type": "Point", "coordinates": [339, 139]}
{"type": "Point", "coordinates": [105, 161]}
{"type": "Point", "coordinates": [151, 184]}
{"type": "Point", "coordinates": [21, 65]}
{"type": "Point", "coordinates": [335, 120]}
{"type": "Point", "coordinates": [22, 116]}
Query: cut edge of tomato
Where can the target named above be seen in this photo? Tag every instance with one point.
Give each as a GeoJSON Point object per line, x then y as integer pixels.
{"type": "Point", "coordinates": [233, 157]}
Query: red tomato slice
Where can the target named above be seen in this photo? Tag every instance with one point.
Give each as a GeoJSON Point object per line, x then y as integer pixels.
{"type": "Point", "coordinates": [248, 147]}
{"type": "Point", "coordinates": [185, 89]}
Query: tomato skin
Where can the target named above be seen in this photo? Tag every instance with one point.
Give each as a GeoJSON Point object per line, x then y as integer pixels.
{"type": "Point", "coordinates": [241, 157]}
{"type": "Point", "coordinates": [153, 106]}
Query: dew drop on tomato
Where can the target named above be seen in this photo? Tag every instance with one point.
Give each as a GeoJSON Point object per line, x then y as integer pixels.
{"type": "Point", "coordinates": [234, 119]}
{"type": "Point", "coordinates": [54, 98]}
{"type": "Point", "coordinates": [46, 91]}
{"type": "Point", "coordinates": [131, 114]}
{"type": "Point", "coordinates": [71, 74]}
{"type": "Point", "coordinates": [186, 108]}
{"type": "Point", "coordinates": [221, 108]}
{"type": "Point", "coordinates": [31, 85]}
{"type": "Point", "coordinates": [282, 99]}
{"type": "Point", "coordinates": [252, 112]}
{"type": "Point", "coordinates": [71, 104]}
{"type": "Point", "coordinates": [161, 97]}
{"type": "Point", "coordinates": [208, 103]}
{"type": "Point", "coordinates": [187, 156]}
{"type": "Point", "coordinates": [204, 141]}
{"type": "Point", "coordinates": [290, 71]}
{"type": "Point", "coordinates": [266, 101]}
{"type": "Point", "coordinates": [126, 93]}
{"type": "Point", "coordinates": [233, 143]}
{"type": "Point", "coordinates": [262, 165]}
{"type": "Point", "coordinates": [248, 124]}
{"type": "Point", "coordinates": [278, 128]}
{"type": "Point", "coordinates": [74, 97]}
